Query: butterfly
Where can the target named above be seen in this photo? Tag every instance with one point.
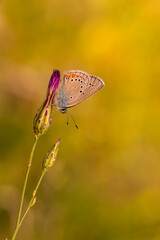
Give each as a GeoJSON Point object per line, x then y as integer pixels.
{"type": "Point", "coordinates": [75, 87]}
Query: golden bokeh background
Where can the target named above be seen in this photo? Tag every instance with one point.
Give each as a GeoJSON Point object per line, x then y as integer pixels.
{"type": "Point", "coordinates": [106, 181]}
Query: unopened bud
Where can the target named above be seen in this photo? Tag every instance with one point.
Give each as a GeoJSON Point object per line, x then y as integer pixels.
{"type": "Point", "coordinates": [51, 156]}
{"type": "Point", "coordinates": [54, 82]}
{"type": "Point", "coordinates": [43, 117]}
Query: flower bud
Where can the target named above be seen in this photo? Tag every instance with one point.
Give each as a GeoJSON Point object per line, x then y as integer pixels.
{"type": "Point", "coordinates": [43, 117]}
{"type": "Point", "coordinates": [54, 82]}
{"type": "Point", "coordinates": [50, 156]}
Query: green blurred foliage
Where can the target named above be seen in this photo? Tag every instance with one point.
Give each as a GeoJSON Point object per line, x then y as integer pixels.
{"type": "Point", "coordinates": [106, 180]}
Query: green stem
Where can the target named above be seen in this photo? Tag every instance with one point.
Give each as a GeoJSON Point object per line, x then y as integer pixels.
{"type": "Point", "coordinates": [24, 189]}
{"type": "Point", "coordinates": [31, 203]}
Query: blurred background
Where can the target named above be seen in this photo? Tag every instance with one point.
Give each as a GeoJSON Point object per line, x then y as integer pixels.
{"type": "Point", "coordinates": [106, 180]}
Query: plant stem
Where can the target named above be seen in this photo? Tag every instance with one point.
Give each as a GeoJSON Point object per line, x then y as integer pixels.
{"type": "Point", "coordinates": [24, 189]}
{"type": "Point", "coordinates": [31, 203]}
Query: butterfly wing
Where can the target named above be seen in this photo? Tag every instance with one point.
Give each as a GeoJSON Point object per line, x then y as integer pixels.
{"type": "Point", "coordinates": [76, 87]}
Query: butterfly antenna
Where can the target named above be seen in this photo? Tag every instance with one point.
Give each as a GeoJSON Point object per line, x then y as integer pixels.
{"type": "Point", "coordinates": [72, 119]}
{"type": "Point", "coordinates": [67, 118]}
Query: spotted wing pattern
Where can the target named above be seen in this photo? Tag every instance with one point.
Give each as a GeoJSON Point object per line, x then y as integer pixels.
{"type": "Point", "coordinates": [76, 87]}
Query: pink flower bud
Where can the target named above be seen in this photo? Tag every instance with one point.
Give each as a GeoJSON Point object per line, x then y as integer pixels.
{"type": "Point", "coordinates": [43, 117]}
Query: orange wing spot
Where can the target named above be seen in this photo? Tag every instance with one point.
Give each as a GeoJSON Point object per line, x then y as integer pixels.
{"type": "Point", "coordinates": [72, 75]}
{"type": "Point", "coordinates": [69, 75]}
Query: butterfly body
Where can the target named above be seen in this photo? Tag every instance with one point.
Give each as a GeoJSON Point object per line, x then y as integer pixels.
{"type": "Point", "coordinates": [76, 87]}
{"type": "Point", "coordinates": [62, 101]}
